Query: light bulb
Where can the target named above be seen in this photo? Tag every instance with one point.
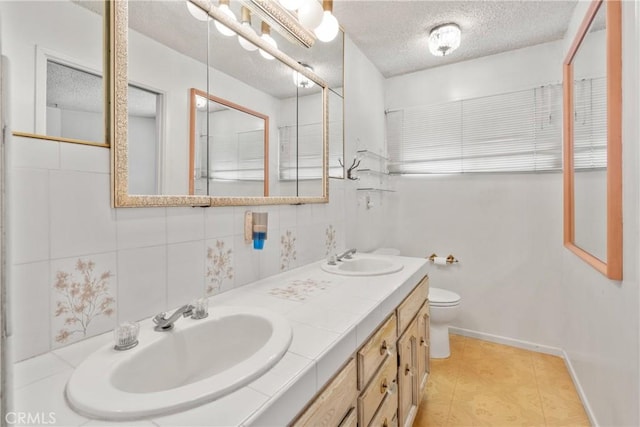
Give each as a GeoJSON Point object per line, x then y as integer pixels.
{"type": "Point", "coordinates": [246, 44]}
{"type": "Point", "coordinates": [310, 14]}
{"type": "Point", "coordinates": [196, 12]}
{"type": "Point", "coordinates": [266, 37]}
{"type": "Point", "coordinates": [290, 4]}
{"type": "Point", "coordinates": [328, 28]}
{"type": "Point", "coordinates": [224, 8]}
{"type": "Point", "coordinates": [444, 39]}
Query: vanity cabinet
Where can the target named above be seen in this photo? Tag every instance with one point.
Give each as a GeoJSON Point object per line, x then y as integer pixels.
{"type": "Point", "coordinates": [383, 384]}
{"type": "Point", "coordinates": [336, 403]}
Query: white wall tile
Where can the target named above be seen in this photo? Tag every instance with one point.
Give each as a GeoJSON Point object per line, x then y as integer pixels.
{"type": "Point", "coordinates": [28, 220]}
{"type": "Point", "coordinates": [270, 255]}
{"type": "Point", "coordinates": [141, 227]}
{"type": "Point", "coordinates": [99, 272]}
{"type": "Point", "coordinates": [303, 215]}
{"type": "Point", "coordinates": [310, 243]}
{"type": "Point", "coordinates": [82, 221]}
{"type": "Point", "coordinates": [220, 268]}
{"type": "Point", "coordinates": [289, 256]}
{"type": "Point", "coordinates": [186, 277]}
{"type": "Point", "coordinates": [185, 224]}
{"type": "Point", "coordinates": [84, 158]}
{"type": "Point", "coordinates": [142, 282]}
{"type": "Point", "coordinates": [219, 221]}
{"type": "Point", "coordinates": [288, 216]}
{"type": "Point", "coordinates": [247, 262]}
{"type": "Point", "coordinates": [29, 310]}
{"type": "Point", "coordinates": [34, 153]}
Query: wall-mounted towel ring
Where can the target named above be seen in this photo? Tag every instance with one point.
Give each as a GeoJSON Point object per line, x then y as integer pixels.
{"type": "Point", "coordinates": [442, 260]}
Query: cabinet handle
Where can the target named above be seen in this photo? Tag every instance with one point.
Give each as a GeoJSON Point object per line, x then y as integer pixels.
{"type": "Point", "coordinates": [386, 348]}
{"type": "Point", "coordinates": [385, 423]}
{"type": "Point", "coordinates": [423, 342]}
{"type": "Point", "coordinates": [408, 370]}
{"type": "Point", "coordinates": [385, 387]}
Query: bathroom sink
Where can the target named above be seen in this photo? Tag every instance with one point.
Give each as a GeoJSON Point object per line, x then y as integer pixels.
{"type": "Point", "coordinates": [364, 265]}
{"type": "Point", "coordinates": [197, 362]}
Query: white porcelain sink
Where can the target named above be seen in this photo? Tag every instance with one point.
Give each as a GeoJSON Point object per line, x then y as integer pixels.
{"type": "Point", "coordinates": [364, 265]}
{"type": "Point", "coordinates": [197, 362]}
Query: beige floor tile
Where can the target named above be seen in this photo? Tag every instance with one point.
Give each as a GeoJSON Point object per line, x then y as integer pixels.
{"type": "Point", "coordinates": [489, 384]}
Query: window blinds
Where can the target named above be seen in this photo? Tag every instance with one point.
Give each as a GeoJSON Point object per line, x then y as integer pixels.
{"type": "Point", "coordinates": [510, 132]}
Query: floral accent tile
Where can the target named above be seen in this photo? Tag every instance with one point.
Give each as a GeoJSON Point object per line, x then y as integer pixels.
{"type": "Point", "coordinates": [330, 240]}
{"type": "Point", "coordinates": [82, 296]}
{"type": "Point", "coordinates": [288, 252]}
{"type": "Point", "coordinates": [300, 290]}
{"type": "Point", "coordinates": [219, 267]}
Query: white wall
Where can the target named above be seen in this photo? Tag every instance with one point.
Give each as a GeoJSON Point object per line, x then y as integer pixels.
{"type": "Point", "coordinates": [505, 229]}
{"type": "Point", "coordinates": [515, 277]}
{"type": "Point", "coordinates": [601, 329]}
{"type": "Point", "coordinates": [364, 129]}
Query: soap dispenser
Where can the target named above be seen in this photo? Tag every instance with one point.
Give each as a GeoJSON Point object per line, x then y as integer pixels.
{"type": "Point", "coordinates": [255, 228]}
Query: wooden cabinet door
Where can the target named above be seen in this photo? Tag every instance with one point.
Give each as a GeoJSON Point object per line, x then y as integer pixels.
{"type": "Point", "coordinates": [423, 348]}
{"type": "Point", "coordinates": [407, 375]}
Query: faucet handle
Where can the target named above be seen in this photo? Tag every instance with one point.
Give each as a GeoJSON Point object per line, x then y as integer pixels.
{"type": "Point", "coordinates": [158, 318]}
{"type": "Point", "coordinates": [188, 311]}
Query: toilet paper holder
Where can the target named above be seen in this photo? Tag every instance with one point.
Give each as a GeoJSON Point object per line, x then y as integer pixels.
{"type": "Point", "coordinates": [450, 259]}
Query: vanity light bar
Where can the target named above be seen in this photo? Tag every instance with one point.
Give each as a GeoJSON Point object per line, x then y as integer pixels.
{"type": "Point", "coordinates": [282, 20]}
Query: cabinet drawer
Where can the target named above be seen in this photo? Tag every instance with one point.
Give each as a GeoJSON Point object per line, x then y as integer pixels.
{"type": "Point", "coordinates": [383, 383]}
{"type": "Point", "coordinates": [351, 420]}
{"type": "Point", "coordinates": [387, 415]}
{"type": "Point", "coordinates": [410, 306]}
{"type": "Point", "coordinates": [373, 353]}
{"type": "Point", "coordinates": [334, 403]}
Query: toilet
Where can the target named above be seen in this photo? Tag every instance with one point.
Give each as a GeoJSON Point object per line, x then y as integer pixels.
{"type": "Point", "coordinates": [443, 308]}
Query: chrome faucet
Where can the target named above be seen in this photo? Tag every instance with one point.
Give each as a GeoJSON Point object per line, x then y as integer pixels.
{"type": "Point", "coordinates": [166, 324]}
{"type": "Point", "coordinates": [346, 255]}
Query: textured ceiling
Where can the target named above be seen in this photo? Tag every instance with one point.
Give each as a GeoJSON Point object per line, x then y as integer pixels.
{"type": "Point", "coordinates": [391, 33]}
{"type": "Point", "coordinates": [394, 34]}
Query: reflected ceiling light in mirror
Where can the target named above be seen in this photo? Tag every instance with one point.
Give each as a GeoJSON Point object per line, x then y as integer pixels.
{"type": "Point", "coordinates": [196, 12]}
{"type": "Point", "coordinates": [246, 23]}
{"type": "Point", "coordinates": [444, 39]}
{"type": "Point", "coordinates": [201, 103]}
{"type": "Point", "coordinates": [282, 20]}
{"type": "Point", "coordinates": [224, 8]}
{"type": "Point", "coordinates": [266, 36]}
{"type": "Point", "coordinates": [301, 80]}
{"type": "Point", "coordinates": [328, 28]}
{"type": "Point", "coordinates": [310, 13]}
{"type": "Point", "coordinates": [290, 4]}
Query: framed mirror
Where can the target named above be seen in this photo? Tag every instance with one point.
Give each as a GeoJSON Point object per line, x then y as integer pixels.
{"type": "Point", "coordinates": [168, 64]}
{"type": "Point", "coordinates": [592, 169]}
{"type": "Point", "coordinates": [228, 148]}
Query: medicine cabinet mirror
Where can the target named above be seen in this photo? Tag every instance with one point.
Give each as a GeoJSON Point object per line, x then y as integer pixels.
{"type": "Point", "coordinates": [161, 48]}
{"type": "Point", "coordinates": [592, 140]}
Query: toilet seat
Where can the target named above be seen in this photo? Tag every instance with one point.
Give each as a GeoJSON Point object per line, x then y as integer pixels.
{"type": "Point", "coordinates": [443, 298]}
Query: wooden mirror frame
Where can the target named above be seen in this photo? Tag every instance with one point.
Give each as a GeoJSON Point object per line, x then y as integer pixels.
{"type": "Point", "coordinates": [118, 126]}
{"type": "Point", "coordinates": [193, 93]}
{"type": "Point", "coordinates": [612, 266]}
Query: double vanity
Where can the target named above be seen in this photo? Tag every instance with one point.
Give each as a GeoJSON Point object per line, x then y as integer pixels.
{"type": "Point", "coordinates": [305, 347]}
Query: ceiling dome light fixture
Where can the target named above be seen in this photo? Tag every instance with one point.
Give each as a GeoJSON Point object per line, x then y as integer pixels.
{"type": "Point", "coordinates": [266, 36]}
{"type": "Point", "coordinates": [328, 28]}
{"type": "Point", "coordinates": [246, 23]}
{"type": "Point", "coordinates": [224, 8]}
{"type": "Point", "coordinates": [444, 39]}
{"type": "Point", "coordinates": [301, 80]}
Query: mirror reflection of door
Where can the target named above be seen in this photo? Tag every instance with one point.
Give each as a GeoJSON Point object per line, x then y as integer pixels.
{"type": "Point", "coordinates": [590, 139]}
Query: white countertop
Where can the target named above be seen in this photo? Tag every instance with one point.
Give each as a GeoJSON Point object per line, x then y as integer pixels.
{"type": "Point", "coordinates": [331, 316]}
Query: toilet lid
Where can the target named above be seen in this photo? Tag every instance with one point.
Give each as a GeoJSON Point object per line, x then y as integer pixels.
{"type": "Point", "coordinates": [442, 296]}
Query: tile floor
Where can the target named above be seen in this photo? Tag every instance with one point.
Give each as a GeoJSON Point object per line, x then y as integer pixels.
{"type": "Point", "coordinates": [488, 384]}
